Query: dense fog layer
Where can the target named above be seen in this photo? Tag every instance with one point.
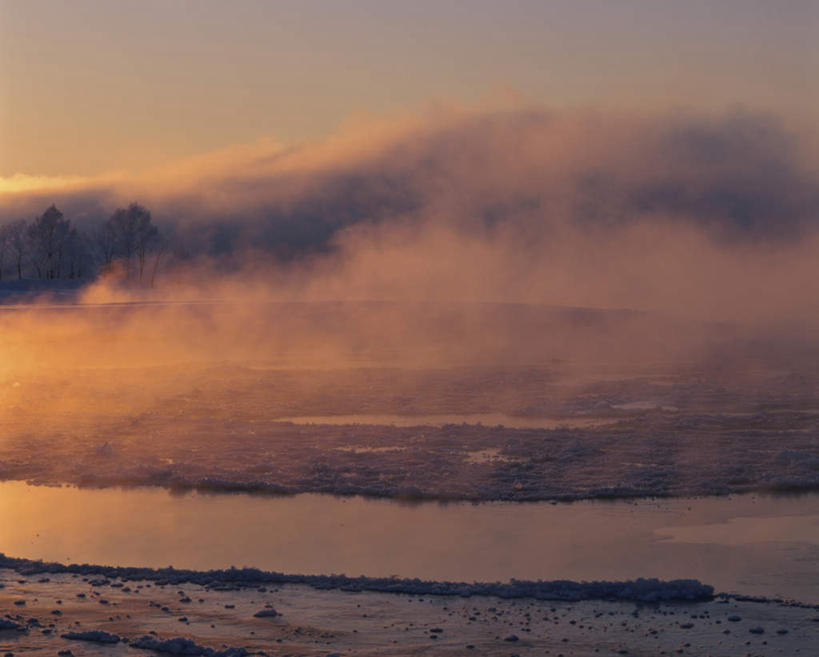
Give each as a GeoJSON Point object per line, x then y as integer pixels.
{"type": "Point", "coordinates": [597, 266]}
{"type": "Point", "coordinates": [706, 216]}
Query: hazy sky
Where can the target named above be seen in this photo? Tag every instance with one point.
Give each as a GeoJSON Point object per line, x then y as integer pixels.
{"type": "Point", "coordinates": [90, 86]}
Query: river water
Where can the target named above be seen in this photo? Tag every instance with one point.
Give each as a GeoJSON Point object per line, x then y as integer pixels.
{"type": "Point", "coordinates": [750, 544]}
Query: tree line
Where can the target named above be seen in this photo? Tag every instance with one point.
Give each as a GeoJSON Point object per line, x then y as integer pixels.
{"type": "Point", "coordinates": [49, 247]}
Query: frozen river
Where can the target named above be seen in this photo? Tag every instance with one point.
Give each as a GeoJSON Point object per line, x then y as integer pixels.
{"type": "Point", "coordinates": [442, 419]}
{"type": "Point", "coordinates": [750, 544]}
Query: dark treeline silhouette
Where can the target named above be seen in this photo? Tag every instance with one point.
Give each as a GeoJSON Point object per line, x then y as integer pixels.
{"type": "Point", "coordinates": [49, 247]}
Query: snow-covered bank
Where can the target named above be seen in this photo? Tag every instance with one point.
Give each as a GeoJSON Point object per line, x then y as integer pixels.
{"type": "Point", "coordinates": [642, 590]}
{"type": "Point", "coordinates": [48, 613]}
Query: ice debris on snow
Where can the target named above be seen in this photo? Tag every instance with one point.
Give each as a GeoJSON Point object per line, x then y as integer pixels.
{"type": "Point", "coordinates": [639, 590]}
{"type": "Point", "coordinates": [183, 646]}
{"type": "Point", "coordinates": [266, 613]}
{"type": "Point", "coordinates": [93, 636]}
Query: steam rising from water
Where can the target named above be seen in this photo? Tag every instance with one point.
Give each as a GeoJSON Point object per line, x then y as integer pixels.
{"type": "Point", "coordinates": [469, 229]}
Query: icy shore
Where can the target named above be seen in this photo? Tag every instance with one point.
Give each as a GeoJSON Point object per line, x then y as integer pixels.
{"type": "Point", "coordinates": [97, 613]}
{"type": "Point", "coordinates": [641, 590]}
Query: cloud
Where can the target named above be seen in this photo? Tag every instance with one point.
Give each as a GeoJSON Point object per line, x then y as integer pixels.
{"type": "Point", "coordinates": [685, 212]}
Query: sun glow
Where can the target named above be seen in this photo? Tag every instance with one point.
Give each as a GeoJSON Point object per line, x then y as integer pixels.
{"type": "Point", "coordinates": [21, 182]}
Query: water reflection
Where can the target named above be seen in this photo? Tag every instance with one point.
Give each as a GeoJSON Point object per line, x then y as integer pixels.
{"type": "Point", "coordinates": [779, 554]}
{"type": "Point", "coordinates": [748, 531]}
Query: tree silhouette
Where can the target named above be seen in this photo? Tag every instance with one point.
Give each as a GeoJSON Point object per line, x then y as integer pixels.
{"type": "Point", "coordinates": [130, 235]}
{"type": "Point", "coordinates": [50, 247]}
{"type": "Point", "coordinates": [47, 236]}
{"type": "Point", "coordinates": [17, 237]}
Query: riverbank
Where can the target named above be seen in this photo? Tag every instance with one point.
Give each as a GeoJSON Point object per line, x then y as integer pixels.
{"type": "Point", "coordinates": [99, 611]}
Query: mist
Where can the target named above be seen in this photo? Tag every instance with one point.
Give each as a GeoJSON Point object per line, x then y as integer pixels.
{"type": "Point", "coordinates": [500, 316]}
{"type": "Point", "coordinates": [708, 215]}
{"type": "Point", "coordinates": [446, 250]}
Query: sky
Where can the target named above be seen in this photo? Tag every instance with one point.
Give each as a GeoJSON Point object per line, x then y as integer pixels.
{"type": "Point", "coordinates": [634, 154]}
{"type": "Point", "coordinates": [91, 87]}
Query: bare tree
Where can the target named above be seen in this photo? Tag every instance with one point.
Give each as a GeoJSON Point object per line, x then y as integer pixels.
{"type": "Point", "coordinates": [17, 235]}
{"type": "Point", "coordinates": [160, 247]}
{"type": "Point", "coordinates": [129, 234]}
{"type": "Point", "coordinates": [76, 255]}
{"type": "Point", "coordinates": [147, 240]}
{"type": "Point", "coordinates": [105, 240]}
{"type": "Point", "coordinates": [4, 248]}
{"type": "Point", "coordinates": [48, 235]}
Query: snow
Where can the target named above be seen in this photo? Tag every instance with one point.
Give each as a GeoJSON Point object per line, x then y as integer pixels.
{"type": "Point", "coordinates": [145, 615]}
{"type": "Point", "coordinates": [643, 590]}
{"type": "Point", "coordinates": [93, 636]}
{"type": "Point", "coordinates": [184, 646]}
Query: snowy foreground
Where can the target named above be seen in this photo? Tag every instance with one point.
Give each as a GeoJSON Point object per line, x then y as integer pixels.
{"type": "Point", "coordinates": [50, 609]}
